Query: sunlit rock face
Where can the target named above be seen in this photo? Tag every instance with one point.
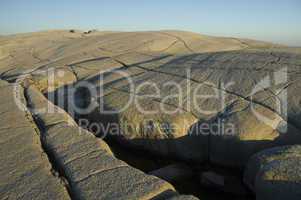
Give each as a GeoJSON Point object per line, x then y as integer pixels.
{"type": "Point", "coordinates": [218, 107]}
{"type": "Point", "coordinates": [173, 93]}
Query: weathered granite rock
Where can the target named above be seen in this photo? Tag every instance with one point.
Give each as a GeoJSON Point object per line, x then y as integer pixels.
{"type": "Point", "coordinates": [51, 79]}
{"type": "Point", "coordinates": [25, 170]}
{"type": "Point", "coordinates": [47, 113]}
{"type": "Point", "coordinates": [248, 80]}
{"type": "Point", "coordinates": [42, 50]}
{"type": "Point", "coordinates": [238, 102]}
{"type": "Point", "coordinates": [88, 164]}
{"type": "Point", "coordinates": [250, 135]}
{"type": "Point", "coordinates": [263, 159]}
{"type": "Point", "coordinates": [240, 77]}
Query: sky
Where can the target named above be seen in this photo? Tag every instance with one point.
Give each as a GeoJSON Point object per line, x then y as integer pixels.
{"type": "Point", "coordinates": [277, 21]}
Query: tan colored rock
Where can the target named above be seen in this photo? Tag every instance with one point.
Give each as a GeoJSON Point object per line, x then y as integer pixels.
{"type": "Point", "coordinates": [48, 113]}
{"type": "Point", "coordinates": [25, 170]}
{"type": "Point", "coordinates": [88, 164]}
{"type": "Point", "coordinates": [146, 57]}
{"type": "Point", "coordinates": [238, 76]}
{"type": "Point", "coordinates": [58, 48]}
{"type": "Point", "coordinates": [51, 79]}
